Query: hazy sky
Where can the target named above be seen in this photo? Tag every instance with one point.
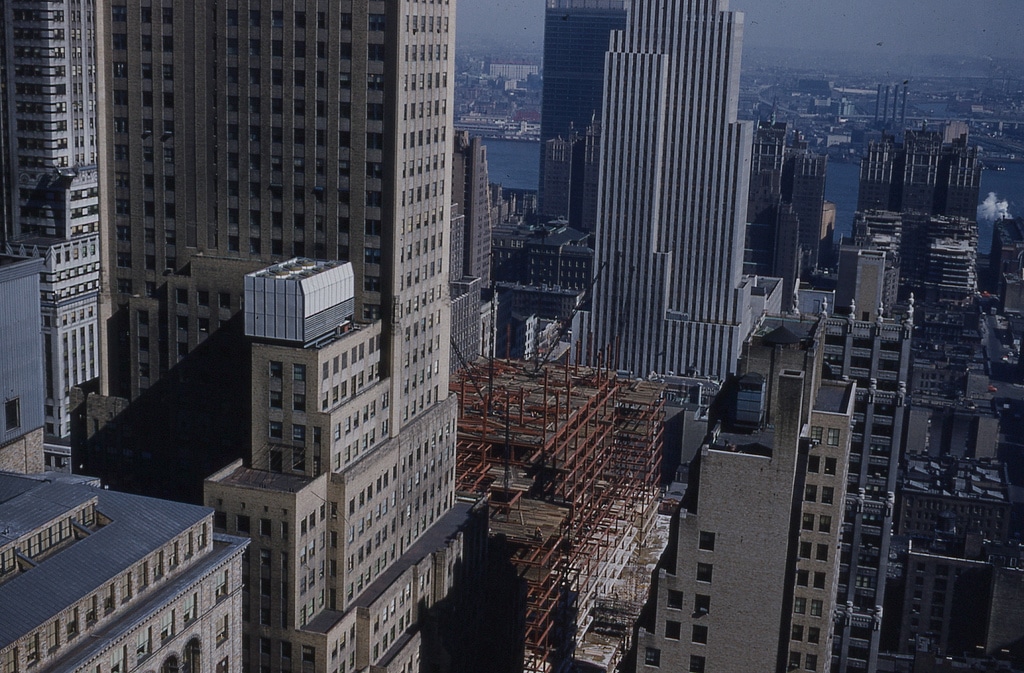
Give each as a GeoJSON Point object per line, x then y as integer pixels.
{"type": "Point", "coordinates": [950, 27]}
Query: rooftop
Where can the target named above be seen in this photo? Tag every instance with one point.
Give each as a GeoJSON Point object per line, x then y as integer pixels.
{"type": "Point", "coordinates": [137, 526]}
{"type": "Point", "coordinates": [833, 397]}
{"type": "Point", "coordinates": [966, 478]}
{"type": "Point", "coordinates": [297, 268]}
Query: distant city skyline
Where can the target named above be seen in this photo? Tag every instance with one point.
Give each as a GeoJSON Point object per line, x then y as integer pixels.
{"type": "Point", "coordinates": [945, 27]}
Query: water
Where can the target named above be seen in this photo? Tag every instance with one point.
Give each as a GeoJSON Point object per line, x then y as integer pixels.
{"type": "Point", "coordinates": [841, 189]}
{"type": "Point", "coordinates": [513, 163]}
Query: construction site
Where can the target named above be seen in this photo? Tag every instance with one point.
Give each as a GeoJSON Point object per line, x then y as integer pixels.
{"type": "Point", "coordinates": [569, 457]}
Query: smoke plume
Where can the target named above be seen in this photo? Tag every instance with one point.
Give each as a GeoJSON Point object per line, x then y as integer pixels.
{"type": "Point", "coordinates": [993, 208]}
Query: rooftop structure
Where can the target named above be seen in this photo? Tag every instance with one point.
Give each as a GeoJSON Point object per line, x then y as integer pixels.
{"type": "Point", "coordinates": [299, 300]}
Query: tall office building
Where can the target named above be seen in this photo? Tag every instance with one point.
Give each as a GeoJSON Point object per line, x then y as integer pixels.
{"type": "Point", "coordinates": [50, 183]}
{"type": "Point", "coordinates": [873, 349]}
{"type": "Point", "coordinates": [237, 135]}
{"type": "Point", "coordinates": [576, 34]}
{"type": "Point", "coordinates": [673, 194]}
{"type": "Point", "coordinates": [925, 174]}
{"type": "Point", "coordinates": [769, 476]}
{"type": "Point", "coordinates": [352, 512]}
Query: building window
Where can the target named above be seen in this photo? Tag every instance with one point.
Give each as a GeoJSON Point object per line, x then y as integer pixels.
{"type": "Point", "coordinates": [794, 660]}
{"type": "Point", "coordinates": [696, 664]}
{"type": "Point", "coordinates": [299, 372]}
{"type": "Point", "coordinates": [797, 632]}
{"type": "Point", "coordinates": [673, 630]}
{"type": "Point", "coordinates": [706, 541]}
{"type": "Point", "coordinates": [675, 600]}
{"type": "Point", "coordinates": [701, 605]}
{"type": "Point", "coordinates": [704, 572]}
{"type": "Point", "coordinates": [819, 580]}
{"type": "Point", "coordinates": [824, 524]}
{"type": "Point", "coordinates": [813, 634]}
{"type": "Point", "coordinates": [814, 464]}
{"type": "Point", "coordinates": [808, 522]}
{"type": "Point", "coordinates": [815, 608]}
{"type": "Point", "coordinates": [833, 436]}
{"type": "Point", "coordinates": [652, 656]}
{"type": "Point", "coordinates": [12, 413]}
{"type": "Point", "coordinates": [699, 634]}
{"type": "Point", "coordinates": [799, 605]}
{"type": "Point", "coordinates": [821, 553]}
{"type": "Point", "coordinates": [242, 523]}
{"type": "Point", "coordinates": [811, 662]}
{"type": "Point", "coordinates": [276, 368]}
{"type": "Point", "coordinates": [827, 494]}
{"type": "Point", "coordinates": [830, 466]}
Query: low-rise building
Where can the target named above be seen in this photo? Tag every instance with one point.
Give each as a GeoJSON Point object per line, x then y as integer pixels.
{"type": "Point", "coordinates": [96, 580]}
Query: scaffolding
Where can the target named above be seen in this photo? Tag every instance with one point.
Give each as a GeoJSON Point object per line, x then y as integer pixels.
{"type": "Point", "coordinates": [569, 457]}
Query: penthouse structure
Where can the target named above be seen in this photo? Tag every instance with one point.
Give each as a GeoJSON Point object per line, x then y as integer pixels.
{"type": "Point", "coordinates": [21, 367]}
{"type": "Point", "coordinates": [99, 580]}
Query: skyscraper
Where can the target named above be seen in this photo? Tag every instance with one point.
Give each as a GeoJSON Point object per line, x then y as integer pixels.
{"type": "Point", "coordinates": [924, 174]}
{"type": "Point", "coordinates": [309, 128]}
{"type": "Point", "coordinates": [673, 194]}
{"type": "Point", "coordinates": [576, 36]}
{"type": "Point", "coordinates": [50, 184]}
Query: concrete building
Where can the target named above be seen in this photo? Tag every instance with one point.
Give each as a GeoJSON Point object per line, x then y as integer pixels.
{"type": "Point", "coordinates": [571, 168]}
{"type": "Point", "coordinates": [554, 255]}
{"type": "Point", "coordinates": [787, 200]}
{"type": "Point", "coordinates": [470, 192]}
{"type": "Point", "coordinates": [576, 37]}
{"type": "Point", "coordinates": [48, 162]}
{"type": "Point", "coordinates": [958, 496]}
{"type": "Point", "coordinates": [923, 174]}
{"type": "Point", "coordinates": [95, 580]}
{"type": "Point", "coordinates": [770, 476]}
{"type": "Point", "coordinates": [874, 351]}
{"type": "Point", "coordinates": [469, 269]}
{"type": "Point", "coordinates": [307, 131]}
{"type": "Point", "coordinates": [21, 367]}
{"type": "Point", "coordinates": [348, 513]}
{"type": "Point", "coordinates": [672, 297]}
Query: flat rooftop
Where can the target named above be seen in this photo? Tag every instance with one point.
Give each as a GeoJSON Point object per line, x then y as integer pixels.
{"type": "Point", "coordinates": [833, 397]}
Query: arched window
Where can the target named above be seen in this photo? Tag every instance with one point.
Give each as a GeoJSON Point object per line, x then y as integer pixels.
{"type": "Point", "coordinates": [192, 657]}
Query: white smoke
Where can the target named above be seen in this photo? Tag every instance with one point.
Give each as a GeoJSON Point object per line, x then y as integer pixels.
{"type": "Point", "coordinates": [993, 208]}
